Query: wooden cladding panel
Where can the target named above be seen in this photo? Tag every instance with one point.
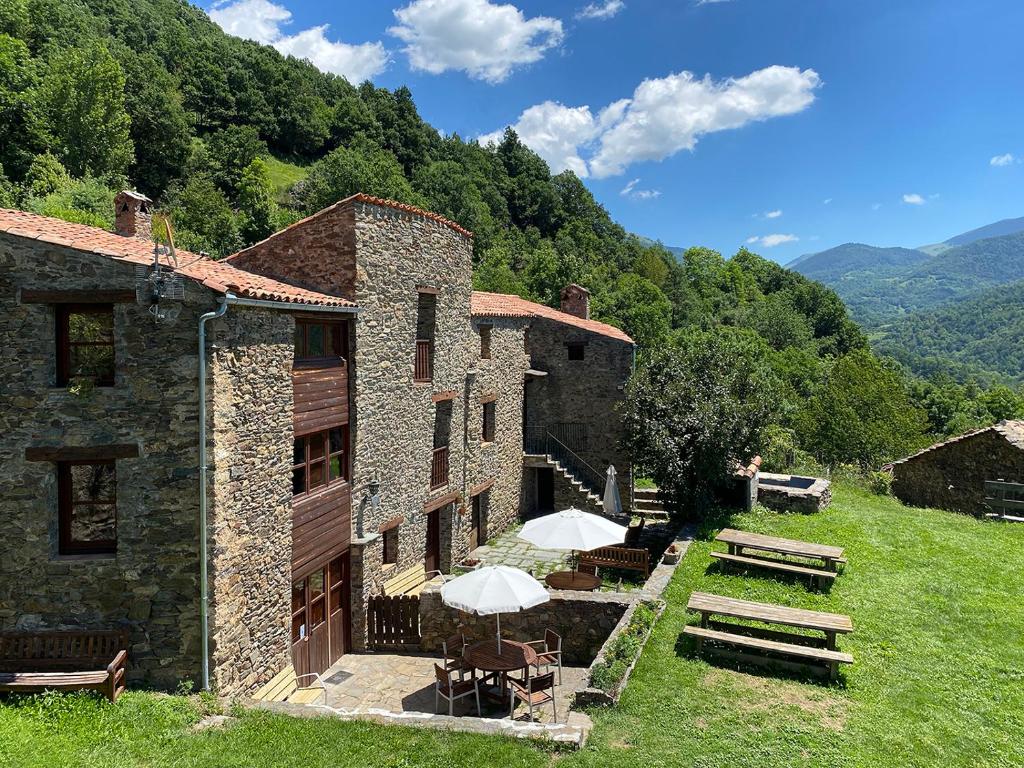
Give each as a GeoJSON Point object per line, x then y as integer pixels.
{"type": "Point", "coordinates": [321, 525]}
{"type": "Point", "coordinates": [320, 398]}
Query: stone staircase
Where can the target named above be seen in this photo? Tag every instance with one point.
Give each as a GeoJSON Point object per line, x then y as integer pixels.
{"type": "Point", "coordinates": [592, 496]}
{"type": "Point", "coordinates": [647, 504]}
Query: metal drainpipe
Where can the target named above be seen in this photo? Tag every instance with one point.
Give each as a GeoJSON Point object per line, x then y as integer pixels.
{"type": "Point", "coordinates": [204, 586]}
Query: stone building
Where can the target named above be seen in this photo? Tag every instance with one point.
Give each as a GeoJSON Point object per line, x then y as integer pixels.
{"type": "Point", "coordinates": [366, 417]}
{"type": "Point", "coordinates": [951, 474]}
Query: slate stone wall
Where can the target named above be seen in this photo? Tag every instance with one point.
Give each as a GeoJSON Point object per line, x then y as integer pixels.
{"type": "Point", "coordinates": [150, 586]}
{"type": "Point", "coordinates": [953, 476]}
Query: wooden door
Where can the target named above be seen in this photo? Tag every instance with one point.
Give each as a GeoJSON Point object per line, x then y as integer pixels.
{"type": "Point", "coordinates": [319, 647]}
{"type": "Point", "coordinates": [545, 490]}
{"type": "Point", "coordinates": [338, 589]}
{"type": "Point", "coordinates": [432, 556]}
{"type": "Point", "coordinates": [300, 628]}
{"type": "Point", "coordinates": [475, 522]}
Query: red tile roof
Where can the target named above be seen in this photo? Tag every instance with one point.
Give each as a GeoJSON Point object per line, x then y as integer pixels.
{"type": "Point", "coordinates": [215, 275]}
{"type": "Point", "coordinates": [505, 305]}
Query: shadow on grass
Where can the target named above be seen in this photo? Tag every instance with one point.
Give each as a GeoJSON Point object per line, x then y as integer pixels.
{"type": "Point", "coordinates": [721, 568]}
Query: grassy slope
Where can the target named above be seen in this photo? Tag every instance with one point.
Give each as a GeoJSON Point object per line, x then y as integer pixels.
{"type": "Point", "coordinates": [284, 174]}
{"type": "Point", "coordinates": [936, 602]}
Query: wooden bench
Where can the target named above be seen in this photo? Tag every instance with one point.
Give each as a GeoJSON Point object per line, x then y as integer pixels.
{"type": "Point", "coordinates": [617, 557]}
{"type": "Point", "coordinates": [285, 687]}
{"type": "Point", "coordinates": [821, 652]}
{"type": "Point", "coordinates": [64, 660]}
{"type": "Point", "coordinates": [408, 582]}
{"type": "Point", "coordinates": [817, 575]}
{"type": "Point", "coordinates": [739, 541]}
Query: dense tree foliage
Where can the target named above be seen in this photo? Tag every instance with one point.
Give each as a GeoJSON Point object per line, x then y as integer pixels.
{"type": "Point", "coordinates": [234, 141]}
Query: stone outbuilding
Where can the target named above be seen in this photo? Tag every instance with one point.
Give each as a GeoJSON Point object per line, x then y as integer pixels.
{"type": "Point", "coordinates": [952, 474]}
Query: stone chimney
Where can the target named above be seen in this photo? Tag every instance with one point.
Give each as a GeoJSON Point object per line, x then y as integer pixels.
{"type": "Point", "coordinates": [576, 301]}
{"type": "Point", "coordinates": [133, 216]}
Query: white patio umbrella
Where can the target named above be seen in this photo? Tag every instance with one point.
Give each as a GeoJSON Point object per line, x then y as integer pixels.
{"type": "Point", "coordinates": [494, 589]}
{"type": "Point", "coordinates": [572, 529]}
{"type": "Point", "coordinates": [612, 500]}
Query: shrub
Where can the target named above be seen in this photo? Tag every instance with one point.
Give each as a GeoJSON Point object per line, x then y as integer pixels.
{"type": "Point", "coordinates": [624, 649]}
{"type": "Point", "coordinates": [880, 483]}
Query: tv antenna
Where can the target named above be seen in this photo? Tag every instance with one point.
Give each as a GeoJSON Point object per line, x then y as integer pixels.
{"type": "Point", "coordinates": [160, 282]}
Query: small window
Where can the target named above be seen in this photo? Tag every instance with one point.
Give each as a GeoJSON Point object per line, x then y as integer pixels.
{"type": "Point", "coordinates": [488, 426]}
{"type": "Point", "coordinates": [85, 344]}
{"type": "Point", "coordinates": [320, 459]}
{"type": "Point", "coordinates": [391, 546]}
{"type": "Point", "coordinates": [577, 351]}
{"type": "Point", "coordinates": [87, 507]}
{"type": "Point", "coordinates": [485, 341]}
{"type": "Point", "coordinates": [320, 340]}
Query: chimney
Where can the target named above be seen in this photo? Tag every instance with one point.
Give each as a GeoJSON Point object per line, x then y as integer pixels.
{"type": "Point", "coordinates": [132, 215]}
{"type": "Point", "coordinates": [576, 301]}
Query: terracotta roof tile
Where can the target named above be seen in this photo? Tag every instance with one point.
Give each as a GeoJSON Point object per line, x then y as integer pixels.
{"type": "Point", "coordinates": [505, 305]}
{"type": "Point", "coordinates": [216, 275]}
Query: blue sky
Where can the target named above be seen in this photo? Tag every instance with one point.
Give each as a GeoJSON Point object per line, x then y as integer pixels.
{"type": "Point", "coordinates": [803, 123]}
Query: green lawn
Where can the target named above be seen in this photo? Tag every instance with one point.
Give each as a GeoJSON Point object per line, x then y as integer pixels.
{"type": "Point", "coordinates": [284, 174]}
{"type": "Point", "coordinates": [936, 601]}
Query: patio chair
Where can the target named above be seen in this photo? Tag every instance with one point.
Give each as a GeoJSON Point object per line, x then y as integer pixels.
{"type": "Point", "coordinates": [534, 692]}
{"type": "Point", "coordinates": [454, 649]}
{"type": "Point", "coordinates": [549, 652]}
{"type": "Point", "coordinates": [451, 690]}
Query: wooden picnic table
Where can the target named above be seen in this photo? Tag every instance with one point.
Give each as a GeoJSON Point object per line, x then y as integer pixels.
{"type": "Point", "coordinates": [514, 656]}
{"type": "Point", "coordinates": [585, 582]}
{"type": "Point", "coordinates": [753, 642]}
{"type": "Point", "coordinates": [738, 541]}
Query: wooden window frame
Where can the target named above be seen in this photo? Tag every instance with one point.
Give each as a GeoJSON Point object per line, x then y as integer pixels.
{"type": "Point", "coordinates": [489, 419]}
{"type": "Point", "coordinates": [390, 536]}
{"type": "Point", "coordinates": [344, 456]}
{"type": "Point", "coordinates": [62, 314]}
{"type": "Point", "coordinates": [486, 330]}
{"type": "Point", "coordinates": [301, 348]}
{"type": "Point", "coordinates": [66, 504]}
{"type": "Point", "coordinates": [573, 348]}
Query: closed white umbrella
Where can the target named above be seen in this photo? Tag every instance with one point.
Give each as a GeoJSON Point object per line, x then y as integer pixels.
{"type": "Point", "coordinates": [494, 589]}
{"type": "Point", "coordinates": [612, 500]}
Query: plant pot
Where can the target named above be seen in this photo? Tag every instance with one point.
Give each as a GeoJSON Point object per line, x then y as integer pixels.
{"type": "Point", "coordinates": [670, 558]}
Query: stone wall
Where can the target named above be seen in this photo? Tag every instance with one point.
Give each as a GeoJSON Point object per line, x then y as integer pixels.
{"type": "Point", "coordinates": [150, 586]}
{"type": "Point", "coordinates": [250, 497]}
{"type": "Point", "coordinates": [393, 420]}
{"type": "Point", "coordinates": [586, 391]}
{"type": "Point", "coordinates": [583, 619]}
{"type": "Point", "coordinates": [953, 476]}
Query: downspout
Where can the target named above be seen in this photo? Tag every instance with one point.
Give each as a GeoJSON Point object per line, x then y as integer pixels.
{"type": "Point", "coordinates": [204, 586]}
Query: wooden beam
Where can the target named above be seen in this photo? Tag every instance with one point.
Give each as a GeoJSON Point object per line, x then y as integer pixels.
{"type": "Point", "coordinates": [29, 296]}
{"type": "Point", "coordinates": [428, 289]}
{"type": "Point", "coordinates": [82, 453]}
{"type": "Point", "coordinates": [440, 397]}
{"type": "Point", "coordinates": [441, 501]}
{"type": "Point", "coordinates": [488, 397]}
{"type": "Point", "coordinates": [476, 490]}
{"type": "Point", "coordinates": [394, 522]}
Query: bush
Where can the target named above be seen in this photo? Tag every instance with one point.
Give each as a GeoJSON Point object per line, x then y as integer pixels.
{"type": "Point", "coordinates": [624, 649]}
{"type": "Point", "coordinates": [880, 483]}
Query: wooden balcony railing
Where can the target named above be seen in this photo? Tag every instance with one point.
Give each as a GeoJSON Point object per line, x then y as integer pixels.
{"type": "Point", "coordinates": [424, 360]}
{"type": "Point", "coordinates": [439, 468]}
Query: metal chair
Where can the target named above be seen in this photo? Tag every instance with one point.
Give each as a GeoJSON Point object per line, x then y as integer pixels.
{"type": "Point", "coordinates": [549, 653]}
{"type": "Point", "coordinates": [534, 692]}
{"type": "Point", "coordinates": [451, 690]}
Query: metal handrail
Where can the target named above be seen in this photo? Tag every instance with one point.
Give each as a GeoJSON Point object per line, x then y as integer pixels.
{"type": "Point", "coordinates": [583, 472]}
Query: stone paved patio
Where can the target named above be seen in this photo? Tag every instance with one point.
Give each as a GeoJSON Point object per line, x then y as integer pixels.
{"type": "Point", "coordinates": [405, 683]}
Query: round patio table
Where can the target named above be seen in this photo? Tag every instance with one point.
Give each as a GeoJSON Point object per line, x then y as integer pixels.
{"type": "Point", "coordinates": [585, 582]}
{"type": "Point", "coordinates": [514, 656]}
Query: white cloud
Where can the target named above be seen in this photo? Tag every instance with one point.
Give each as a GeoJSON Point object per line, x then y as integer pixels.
{"type": "Point", "coordinates": [261, 20]}
{"type": "Point", "coordinates": [913, 199]}
{"type": "Point", "coordinates": [875, 206]}
{"type": "Point", "coordinates": [1000, 161]}
{"type": "Point", "coordinates": [631, 191]}
{"type": "Point", "coordinates": [485, 40]}
{"type": "Point", "coordinates": [555, 132]}
{"type": "Point", "coordinates": [827, 201]}
{"type": "Point", "coordinates": [772, 214]}
{"type": "Point", "coordinates": [664, 116]}
{"type": "Point", "coordinates": [712, 2]}
{"type": "Point", "coordinates": [601, 11]}
{"type": "Point", "coordinates": [770, 241]}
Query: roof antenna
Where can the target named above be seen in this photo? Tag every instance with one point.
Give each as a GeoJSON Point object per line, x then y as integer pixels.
{"type": "Point", "coordinates": [160, 282]}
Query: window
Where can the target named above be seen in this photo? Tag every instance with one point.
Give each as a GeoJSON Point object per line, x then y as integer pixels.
{"type": "Point", "coordinates": [391, 545]}
{"type": "Point", "coordinates": [320, 340]}
{"type": "Point", "coordinates": [320, 459]}
{"type": "Point", "coordinates": [577, 350]}
{"type": "Point", "coordinates": [485, 341]}
{"type": "Point", "coordinates": [87, 507]}
{"type": "Point", "coordinates": [426, 322]}
{"type": "Point", "coordinates": [85, 344]}
{"type": "Point", "coordinates": [488, 426]}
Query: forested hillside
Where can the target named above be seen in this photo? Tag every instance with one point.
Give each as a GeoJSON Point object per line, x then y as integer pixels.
{"type": "Point", "coordinates": [234, 141]}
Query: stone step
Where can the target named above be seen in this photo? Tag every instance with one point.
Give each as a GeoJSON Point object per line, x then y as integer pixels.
{"type": "Point", "coordinates": [645, 493]}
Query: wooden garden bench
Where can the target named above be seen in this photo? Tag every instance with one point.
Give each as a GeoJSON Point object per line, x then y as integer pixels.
{"type": "Point", "coordinates": [64, 660]}
{"type": "Point", "coordinates": [817, 575]}
{"type": "Point", "coordinates": [617, 557]}
{"type": "Point", "coordinates": [821, 652]}
{"type": "Point", "coordinates": [408, 582]}
{"type": "Point", "coordinates": [741, 541]}
{"type": "Point", "coordinates": [285, 687]}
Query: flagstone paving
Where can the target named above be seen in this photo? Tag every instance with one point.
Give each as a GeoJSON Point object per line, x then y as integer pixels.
{"type": "Point", "coordinates": [509, 549]}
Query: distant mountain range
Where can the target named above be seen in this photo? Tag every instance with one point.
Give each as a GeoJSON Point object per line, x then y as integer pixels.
{"type": "Point", "coordinates": [957, 301]}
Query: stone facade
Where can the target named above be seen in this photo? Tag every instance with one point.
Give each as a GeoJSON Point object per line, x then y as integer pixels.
{"type": "Point", "coordinates": [952, 475]}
